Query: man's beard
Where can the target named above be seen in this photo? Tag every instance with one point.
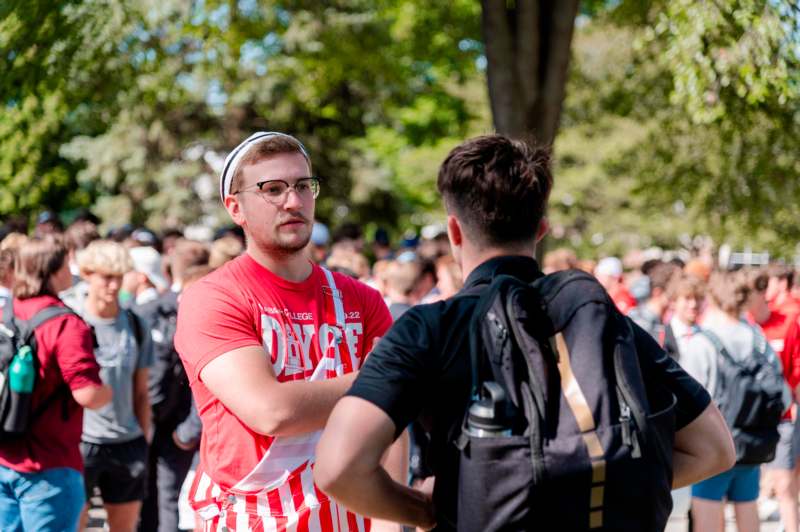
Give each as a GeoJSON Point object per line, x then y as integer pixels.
{"type": "Point", "coordinates": [277, 247]}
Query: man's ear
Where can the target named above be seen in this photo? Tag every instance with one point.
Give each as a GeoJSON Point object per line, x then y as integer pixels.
{"type": "Point", "coordinates": [543, 229]}
{"type": "Point", "coordinates": [454, 232]}
{"type": "Point", "coordinates": [234, 209]}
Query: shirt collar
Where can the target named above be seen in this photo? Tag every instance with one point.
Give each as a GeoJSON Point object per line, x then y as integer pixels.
{"type": "Point", "coordinates": [525, 268]}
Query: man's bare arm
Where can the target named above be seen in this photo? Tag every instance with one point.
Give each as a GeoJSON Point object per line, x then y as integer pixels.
{"type": "Point", "coordinates": [243, 379]}
{"type": "Point", "coordinates": [349, 468]}
{"type": "Point", "coordinates": [703, 448]}
{"type": "Point", "coordinates": [141, 401]}
{"type": "Point", "coordinates": [395, 462]}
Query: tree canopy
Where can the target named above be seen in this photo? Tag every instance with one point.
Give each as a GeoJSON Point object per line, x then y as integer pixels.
{"type": "Point", "coordinates": [680, 117]}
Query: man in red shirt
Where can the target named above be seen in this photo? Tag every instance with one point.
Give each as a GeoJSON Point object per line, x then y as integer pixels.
{"type": "Point", "coordinates": [776, 324]}
{"type": "Point", "coordinates": [270, 342]}
{"type": "Point", "coordinates": [41, 483]}
{"type": "Point", "coordinates": [609, 273]}
{"type": "Point", "coordinates": [779, 289]}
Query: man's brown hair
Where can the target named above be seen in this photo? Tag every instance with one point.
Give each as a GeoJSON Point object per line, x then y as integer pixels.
{"type": "Point", "coordinates": [187, 253]}
{"type": "Point", "coordinates": [80, 234]}
{"type": "Point", "coordinates": [264, 150]}
{"type": "Point", "coordinates": [685, 285]}
{"type": "Point", "coordinates": [37, 261]}
{"type": "Point", "coordinates": [730, 291]}
{"type": "Point", "coordinates": [497, 187]}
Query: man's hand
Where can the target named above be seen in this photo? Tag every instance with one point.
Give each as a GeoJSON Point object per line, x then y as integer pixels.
{"type": "Point", "coordinates": [426, 487]}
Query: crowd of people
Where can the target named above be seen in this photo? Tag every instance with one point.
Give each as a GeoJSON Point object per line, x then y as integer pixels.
{"type": "Point", "coordinates": [138, 384]}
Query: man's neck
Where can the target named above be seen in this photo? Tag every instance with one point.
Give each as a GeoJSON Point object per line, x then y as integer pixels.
{"type": "Point", "coordinates": [101, 309]}
{"type": "Point", "coordinates": [293, 267]}
{"type": "Point", "coordinates": [472, 259]}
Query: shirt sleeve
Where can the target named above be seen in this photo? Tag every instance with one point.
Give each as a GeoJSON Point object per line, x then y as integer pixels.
{"type": "Point", "coordinates": [396, 376]}
{"type": "Point", "coordinates": [692, 398]}
{"type": "Point", "coordinates": [74, 353]}
{"type": "Point", "coordinates": [211, 323]}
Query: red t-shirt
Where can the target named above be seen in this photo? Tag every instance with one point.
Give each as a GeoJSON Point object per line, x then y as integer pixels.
{"type": "Point", "coordinates": [775, 330]}
{"type": "Point", "coordinates": [244, 304]}
{"type": "Point", "coordinates": [788, 305]}
{"type": "Point", "coordinates": [791, 354]}
{"type": "Point", "coordinates": [66, 355]}
{"type": "Point", "coordinates": [622, 298]}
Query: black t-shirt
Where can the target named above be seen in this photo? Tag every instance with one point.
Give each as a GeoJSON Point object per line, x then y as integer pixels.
{"type": "Point", "coordinates": [421, 370]}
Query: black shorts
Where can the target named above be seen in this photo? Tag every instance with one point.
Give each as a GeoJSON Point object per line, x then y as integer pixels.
{"type": "Point", "coordinates": [118, 469]}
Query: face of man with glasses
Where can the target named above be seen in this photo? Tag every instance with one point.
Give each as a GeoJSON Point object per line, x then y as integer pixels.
{"type": "Point", "coordinates": [275, 203]}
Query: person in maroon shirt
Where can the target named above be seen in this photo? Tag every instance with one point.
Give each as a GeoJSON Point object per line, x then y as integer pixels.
{"type": "Point", "coordinates": [41, 481]}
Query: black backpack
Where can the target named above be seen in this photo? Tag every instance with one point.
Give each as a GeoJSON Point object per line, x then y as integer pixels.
{"type": "Point", "coordinates": [588, 449]}
{"type": "Point", "coordinates": [16, 415]}
{"type": "Point", "coordinates": [170, 394]}
{"type": "Point", "coordinates": [749, 394]}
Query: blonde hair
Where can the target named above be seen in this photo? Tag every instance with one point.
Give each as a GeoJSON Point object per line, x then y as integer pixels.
{"type": "Point", "coordinates": [224, 249]}
{"type": "Point", "coordinates": [13, 241]}
{"type": "Point", "coordinates": [105, 256]}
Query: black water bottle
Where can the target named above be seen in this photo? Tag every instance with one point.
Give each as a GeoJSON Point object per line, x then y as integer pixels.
{"type": "Point", "coordinates": [488, 417]}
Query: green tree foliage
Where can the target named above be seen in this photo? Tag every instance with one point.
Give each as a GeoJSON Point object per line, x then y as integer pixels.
{"type": "Point", "coordinates": [192, 79]}
{"type": "Point", "coordinates": [724, 127]}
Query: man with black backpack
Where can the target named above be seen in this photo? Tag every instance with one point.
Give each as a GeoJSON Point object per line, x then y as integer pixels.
{"type": "Point", "coordinates": [547, 409]}
{"type": "Point", "coordinates": [171, 399]}
{"type": "Point", "coordinates": [743, 374]}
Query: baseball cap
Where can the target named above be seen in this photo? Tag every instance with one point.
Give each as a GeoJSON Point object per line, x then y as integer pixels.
{"type": "Point", "coordinates": [609, 266]}
{"type": "Point", "coordinates": [147, 260]}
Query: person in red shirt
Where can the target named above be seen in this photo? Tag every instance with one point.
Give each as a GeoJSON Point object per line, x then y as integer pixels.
{"type": "Point", "coordinates": [41, 482]}
{"type": "Point", "coordinates": [779, 289]}
{"type": "Point", "coordinates": [270, 341]}
{"type": "Point", "coordinates": [609, 273]}
{"type": "Point", "coordinates": [775, 322]}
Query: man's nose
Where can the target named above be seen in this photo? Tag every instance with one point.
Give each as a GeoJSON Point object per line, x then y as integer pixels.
{"type": "Point", "coordinates": [293, 200]}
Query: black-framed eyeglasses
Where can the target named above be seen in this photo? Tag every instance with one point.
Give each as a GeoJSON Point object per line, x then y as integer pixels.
{"type": "Point", "coordinates": [276, 190]}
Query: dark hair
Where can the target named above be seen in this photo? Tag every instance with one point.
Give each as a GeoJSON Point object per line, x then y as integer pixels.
{"type": "Point", "coordinates": [781, 272]}
{"type": "Point", "coordinates": [497, 187]}
{"type": "Point", "coordinates": [38, 260]}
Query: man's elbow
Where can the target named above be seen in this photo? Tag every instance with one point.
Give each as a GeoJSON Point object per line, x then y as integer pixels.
{"type": "Point", "coordinates": [93, 397]}
{"type": "Point", "coordinates": [270, 422]}
{"type": "Point", "coordinates": [726, 453]}
{"type": "Point", "coordinates": [329, 475]}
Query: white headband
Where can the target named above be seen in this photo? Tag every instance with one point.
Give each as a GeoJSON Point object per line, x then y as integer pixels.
{"type": "Point", "coordinates": [235, 156]}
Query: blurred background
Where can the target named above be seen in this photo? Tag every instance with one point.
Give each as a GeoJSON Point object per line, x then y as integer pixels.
{"type": "Point", "coordinates": [674, 123]}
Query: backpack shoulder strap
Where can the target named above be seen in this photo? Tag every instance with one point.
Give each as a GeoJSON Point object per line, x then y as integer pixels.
{"type": "Point", "coordinates": [336, 296]}
{"type": "Point", "coordinates": [43, 316]}
{"type": "Point", "coordinates": [717, 343]}
{"type": "Point", "coordinates": [671, 342]}
{"type": "Point", "coordinates": [136, 326]}
{"type": "Point", "coordinates": [8, 313]}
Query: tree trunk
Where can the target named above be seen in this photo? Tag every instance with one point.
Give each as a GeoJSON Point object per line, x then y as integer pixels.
{"type": "Point", "coordinates": [527, 51]}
